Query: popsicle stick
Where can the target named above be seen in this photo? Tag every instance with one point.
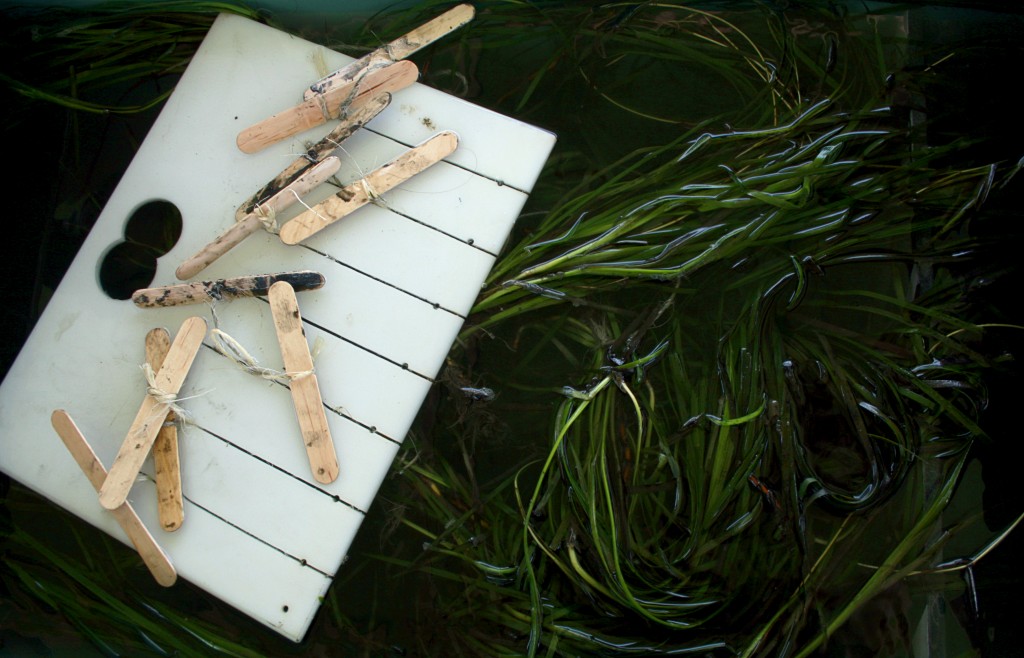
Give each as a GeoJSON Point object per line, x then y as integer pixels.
{"type": "Point", "coordinates": [400, 48]}
{"type": "Point", "coordinates": [152, 555]}
{"type": "Point", "coordinates": [165, 449]}
{"type": "Point", "coordinates": [377, 182]}
{"type": "Point", "coordinates": [151, 414]}
{"type": "Point", "coordinates": [199, 292]}
{"type": "Point", "coordinates": [390, 77]}
{"type": "Point", "coordinates": [309, 407]}
{"type": "Point", "coordinates": [242, 229]}
{"type": "Point", "coordinates": [352, 121]}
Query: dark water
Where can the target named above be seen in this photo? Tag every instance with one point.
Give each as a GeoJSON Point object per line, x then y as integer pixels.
{"type": "Point", "coordinates": [67, 165]}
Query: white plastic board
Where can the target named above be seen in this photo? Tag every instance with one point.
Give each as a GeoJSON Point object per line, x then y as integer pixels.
{"type": "Point", "coordinates": [259, 531]}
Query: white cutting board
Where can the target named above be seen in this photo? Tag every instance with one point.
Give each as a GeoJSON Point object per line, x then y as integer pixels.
{"type": "Point", "coordinates": [259, 531]}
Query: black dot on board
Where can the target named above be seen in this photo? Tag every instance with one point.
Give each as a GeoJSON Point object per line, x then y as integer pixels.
{"type": "Point", "coordinates": [284, 608]}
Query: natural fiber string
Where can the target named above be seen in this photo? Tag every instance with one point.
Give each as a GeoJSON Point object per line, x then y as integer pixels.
{"type": "Point", "coordinates": [308, 207]}
{"type": "Point", "coordinates": [171, 400]}
{"type": "Point", "coordinates": [233, 350]}
{"type": "Point", "coordinates": [299, 200]}
{"type": "Point", "coordinates": [368, 190]}
{"type": "Point", "coordinates": [268, 217]}
{"type": "Point", "coordinates": [374, 197]}
{"type": "Point", "coordinates": [322, 102]}
{"type": "Point", "coordinates": [344, 106]}
{"type": "Point", "coordinates": [228, 347]}
{"type": "Point", "coordinates": [347, 102]}
{"type": "Point", "coordinates": [371, 194]}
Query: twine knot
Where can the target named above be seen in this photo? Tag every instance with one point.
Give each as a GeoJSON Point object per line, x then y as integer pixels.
{"type": "Point", "coordinates": [163, 397]}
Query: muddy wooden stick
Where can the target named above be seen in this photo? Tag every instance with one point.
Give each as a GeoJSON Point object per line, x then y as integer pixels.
{"type": "Point", "coordinates": [200, 292]}
{"type": "Point", "coordinates": [152, 413]}
{"type": "Point", "coordinates": [349, 124]}
{"type": "Point", "coordinates": [170, 507]}
{"type": "Point", "coordinates": [400, 48]}
{"type": "Point", "coordinates": [248, 225]}
{"type": "Point", "coordinates": [322, 107]}
{"type": "Point", "coordinates": [298, 364]}
{"type": "Point", "coordinates": [377, 182]}
{"type": "Point", "coordinates": [152, 555]}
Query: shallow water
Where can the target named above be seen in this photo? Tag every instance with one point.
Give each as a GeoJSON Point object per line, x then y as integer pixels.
{"type": "Point", "coordinates": [590, 95]}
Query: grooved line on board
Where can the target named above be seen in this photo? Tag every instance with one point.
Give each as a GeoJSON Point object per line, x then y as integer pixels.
{"type": "Point", "coordinates": [328, 330]}
{"type": "Point", "coordinates": [370, 428]}
{"type": "Point", "coordinates": [302, 561]}
{"type": "Point", "coordinates": [454, 164]}
{"type": "Point", "coordinates": [335, 497]}
{"type": "Point", "coordinates": [435, 305]}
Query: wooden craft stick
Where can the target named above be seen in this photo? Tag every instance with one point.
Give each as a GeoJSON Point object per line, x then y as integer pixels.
{"type": "Point", "coordinates": [151, 414]}
{"type": "Point", "coordinates": [318, 110]}
{"type": "Point", "coordinates": [155, 559]}
{"type": "Point", "coordinates": [249, 224]}
{"type": "Point", "coordinates": [199, 292]}
{"type": "Point", "coordinates": [400, 48]}
{"type": "Point", "coordinates": [354, 120]}
{"type": "Point", "coordinates": [165, 449]}
{"type": "Point", "coordinates": [309, 406]}
{"type": "Point", "coordinates": [377, 182]}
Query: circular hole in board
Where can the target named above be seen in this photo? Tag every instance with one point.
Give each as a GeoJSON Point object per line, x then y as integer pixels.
{"type": "Point", "coordinates": [127, 267]}
{"type": "Point", "coordinates": [156, 224]}
{"type": "Point", "coordinates": [150, 232]}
